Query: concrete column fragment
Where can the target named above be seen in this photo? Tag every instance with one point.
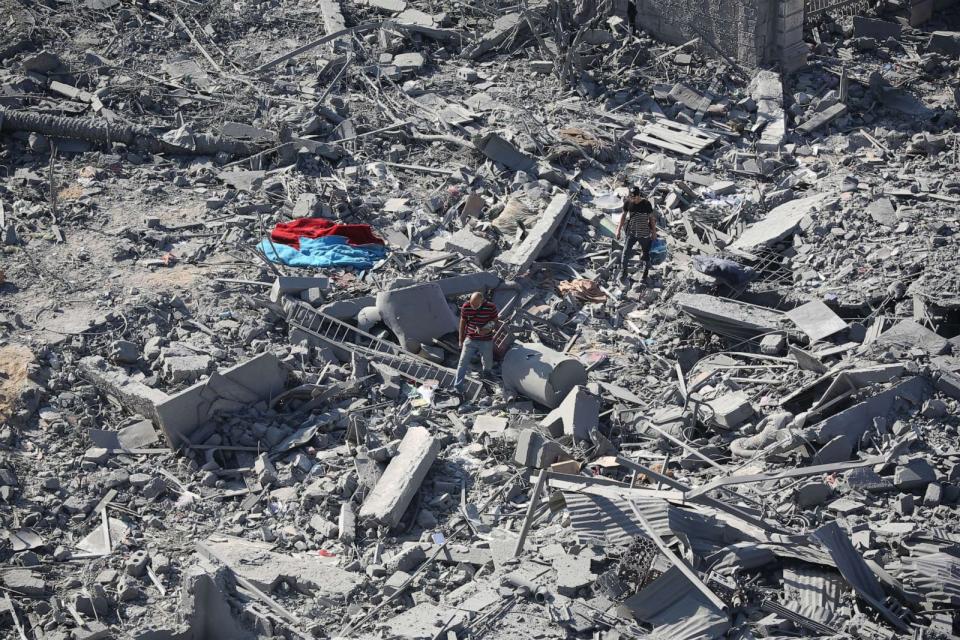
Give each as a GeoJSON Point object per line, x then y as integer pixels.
{"type": "Point", "coordinates": [416, 314]}
{"type": "Point", "coordinates": [542, 374]}
{"type": "Point", "coordinates": [404, 475]}
{"type": "Point", "coordinates": [520, 256]}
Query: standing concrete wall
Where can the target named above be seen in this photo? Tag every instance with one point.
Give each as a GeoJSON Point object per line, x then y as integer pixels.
{"type": "Point", "coordinates": [756, 33]}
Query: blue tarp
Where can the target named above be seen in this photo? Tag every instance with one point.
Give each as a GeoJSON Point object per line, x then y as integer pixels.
{"type": "Point", "coordinates": [328, 251]}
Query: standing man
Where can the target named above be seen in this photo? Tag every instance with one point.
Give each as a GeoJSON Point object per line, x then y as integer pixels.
{"type": "Point", "coordinates": [478, 320]}
{"type": "Point", "coordinates": [641, 224]}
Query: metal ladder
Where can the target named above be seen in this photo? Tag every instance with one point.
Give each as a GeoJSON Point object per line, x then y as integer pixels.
{"type": "Point", "coordinates": [352, 339]}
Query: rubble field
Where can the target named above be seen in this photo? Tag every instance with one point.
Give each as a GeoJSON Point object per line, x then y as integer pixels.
{"type": "Point", "coordinates": [236, 239]}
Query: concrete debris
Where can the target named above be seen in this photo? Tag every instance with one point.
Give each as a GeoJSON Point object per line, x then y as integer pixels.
{"type": "Point", "coordinates": [235, 256]}
{"type": "Point", "coordinates": [402, 478]}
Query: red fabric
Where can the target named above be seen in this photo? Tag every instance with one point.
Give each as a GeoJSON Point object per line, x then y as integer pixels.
{"type": "Point", "coordinates": [289, 233]}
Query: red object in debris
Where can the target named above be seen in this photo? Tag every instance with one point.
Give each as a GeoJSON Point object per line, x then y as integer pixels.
{"type": "Point", "coordinates": [327, 554]}
{"type": "Point", "coordinates": [289, 233]}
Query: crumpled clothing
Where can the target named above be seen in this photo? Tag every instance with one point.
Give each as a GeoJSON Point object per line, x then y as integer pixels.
{"type": "Point", "coordinates": [582, 289]}
{"type": "Point", "coordinates": [328, 251]}
{"type": "Point", "coordinates": [291, 232]}
{"type": "Point", "coordinates": [729, 272]}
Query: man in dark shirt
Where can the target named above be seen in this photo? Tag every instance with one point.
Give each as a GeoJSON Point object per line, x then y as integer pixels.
{"type": "Point", "coordinates": [478, 321]}
{"type": "Point", "coordinates": [641, 225]}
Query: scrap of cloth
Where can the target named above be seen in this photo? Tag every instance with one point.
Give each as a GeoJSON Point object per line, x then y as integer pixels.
{"type": "Point", "coordinates": [583, 289]}
{"type": "Point", "coordinates": [327, 251]}
{"type": "Point", "coordinates": [290, 233]}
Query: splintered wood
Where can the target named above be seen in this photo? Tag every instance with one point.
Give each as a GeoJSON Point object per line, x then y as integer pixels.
{"type": "Point", "coordinates": [674, 136]}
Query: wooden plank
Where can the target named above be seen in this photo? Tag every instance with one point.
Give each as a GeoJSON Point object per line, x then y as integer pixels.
{"type": "Point", "coordinates": [665, 145]}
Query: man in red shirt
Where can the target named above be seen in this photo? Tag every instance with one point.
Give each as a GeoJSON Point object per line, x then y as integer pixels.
{"type": "Point", "coordinates": [478, 321]}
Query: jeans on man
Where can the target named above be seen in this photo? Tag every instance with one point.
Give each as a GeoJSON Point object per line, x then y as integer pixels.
{"type": "Point", "coordinates": [645, 244]}
{"type": "Point", "coordinates": [470, 349]}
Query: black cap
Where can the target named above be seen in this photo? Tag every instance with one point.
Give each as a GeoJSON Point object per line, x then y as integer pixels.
{"type": "Point", "coordinates": [634, 191]}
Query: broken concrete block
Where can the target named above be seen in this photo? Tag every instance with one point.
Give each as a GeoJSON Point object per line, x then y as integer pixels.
{"type": "Point", "coordinates": [323, 526]}
{"type": "Point", "coordinates": [284, 285]}
{"type": "Point", "coordinates": [309, 205]}
{"type": "Point", "coordinates": [773, 344]}
{"type": "Point", "coordinates": [24, 581]}
{"type": "Point", "coordinates": [908, 334]}
{"type": "Point", "coordinates": [916, 474]}
{"type": "Point", "coordinates": [204, 608]}
{"type": "Point", "coordinates": [883, 212]}
{"type": "Point", "coordinates": [817, 320]}
{"type": "Point", "coordinates": [136, 397]}
{"type": "Point", "coordinates": [347, 524]}
{"type": "Point", "coordinates": [416, 314]}
{"type": "Point", "coordinates": [812, 494]}
{"type": "Point", "coordinates": [573, 574]}
{"type": "Point", "coordinates": [265, 469]}
{"type": "Point", "coordinates": [470, 245]}
{"type": "Point", "coordinates": [501, 151]}
{"type": "Point", "coordinates": [731, 409]}
{"type": "Point", "coordinates": [904, 504]}
{"type": "Point", "coordinates": [934, 408]}
{"type": "Point", "coordinates": [838, 449]}
{"type": "Point", "coordinates": [945, 42]}
{"type": "Point", "coordinates": [124, 352]}
{"type": "Point", "coordinates": [568, 466]}
{"type": "Point", "coordinates": [576, 416]}
{"type": "Point", "coordinates": [408, 559]}
{"type": "Point", "coordinates": [136, 564]}
{"type": "Point", "coordinates": [933, 496]}
{"type": "Point", "coordinates": [185, 368]}
{"type": "Point", "coordinates": [864, 27]}
{"type": "Point", "coordinates": [492, 425]}
{"type": "Point", "coordinates": [412, 61]}
{"type": "Point", "coordinates": [403, 477]}
{"type": "Point", "coordinates": [537, 451]}
{"type": "Point", "coordinates": [542, 374]}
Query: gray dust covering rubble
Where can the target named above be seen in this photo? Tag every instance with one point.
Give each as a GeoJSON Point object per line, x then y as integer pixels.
{"type": "Point", "coordinates": [237, 238]}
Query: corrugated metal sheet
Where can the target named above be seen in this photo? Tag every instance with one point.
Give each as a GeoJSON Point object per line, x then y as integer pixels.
{"type": "Point", "coordinates": [677, 609]}
{"type": "Point", "coordinates": [610, 520]}
{"type": "Point", "coordinates": [854, 570]}
{"type": "Point", "coordinates": [936, 574]}
{"type": "Point", "coordinates": [815, 592]}
{"type": "Point", "coordinates": [604, 520]}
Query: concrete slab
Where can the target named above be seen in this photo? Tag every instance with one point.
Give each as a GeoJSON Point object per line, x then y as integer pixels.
{"type": "Point", "coordinates": [817, 320]}
{"type": "Point", "coordinates": [424, 621]}
{"type": "Point", "coordinates": [266, 569]}
{"type": "Point", "coordinates": [907, 334]}
{"type": "Point", "coordinates": [518, 258]}
{"type": "Point", "coordinates": [779, 223]}
{"type": "Point", "coordinates": [404, 475]}
{"type": "Point", "coordinates": [135, 396]}
{"type": "Point", "coordinates": [500, 150]}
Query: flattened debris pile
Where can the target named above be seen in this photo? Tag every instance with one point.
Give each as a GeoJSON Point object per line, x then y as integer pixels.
{"type": "Point", "coordinates": [237, 239]}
